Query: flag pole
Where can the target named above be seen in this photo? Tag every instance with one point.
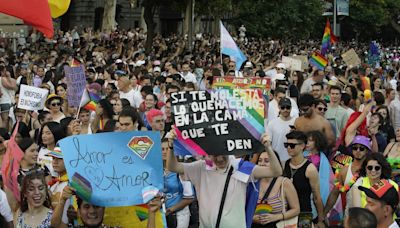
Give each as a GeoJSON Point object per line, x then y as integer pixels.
{"type": "Point", "coordinates": [220, 42]}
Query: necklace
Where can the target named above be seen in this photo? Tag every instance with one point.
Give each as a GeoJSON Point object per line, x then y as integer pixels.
{"type": "Point", "coordinates": [346, 187]}
{"type": "Point", "coordinates": [293, 170]}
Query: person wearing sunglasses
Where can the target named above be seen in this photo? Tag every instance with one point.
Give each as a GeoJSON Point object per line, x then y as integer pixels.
{"type": "Point", "coordinates": [309, 120]}
{"type": "Point", "coordinates": [304, 176]}
{"type": "Point", "coordinates": [348, 174]}
{"type": "Point", "coordinates": [279, 127]}
{"type": "Point", "coordinates": [54, 103]}
{"type": "Point", "coordinates": [321, 107]}
{"type": "Point", "coordinates": [336, 114]}
{"type": "Point", "coordinates": [374, 169]}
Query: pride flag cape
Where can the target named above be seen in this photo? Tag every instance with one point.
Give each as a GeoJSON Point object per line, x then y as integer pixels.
{"type": "Point", "coordinates": [318, 61]}
{"type": "Point", "coordinates": [326, 179]}
{"type": "Point", "coordinates": [89, 100]}
{"type": "Point", "coordinates": [328, 38]}
{"type": "Point", "coordinates": [229, 47]}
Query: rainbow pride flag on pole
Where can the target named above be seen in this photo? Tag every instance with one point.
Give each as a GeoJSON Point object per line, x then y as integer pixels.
{"type": "Point", "coordinates": [328, 38]}
{"type": "Point", "coordinates": [318, 61]}
{"type": "Point", "coordinates": [229, 47]}
{"type": "Point", "coordinates": [89, 100]}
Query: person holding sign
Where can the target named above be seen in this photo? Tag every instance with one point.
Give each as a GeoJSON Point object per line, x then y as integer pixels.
{"type": "Point", "coordinates": [92, 216]}
{"type": "Point", "coordinates": [211, 178]}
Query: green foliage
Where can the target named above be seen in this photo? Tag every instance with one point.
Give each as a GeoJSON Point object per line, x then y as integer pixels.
{"type": "Point", "coordinates": [369, 17]}
{"type": "Point", "coordinates": [281, 19]}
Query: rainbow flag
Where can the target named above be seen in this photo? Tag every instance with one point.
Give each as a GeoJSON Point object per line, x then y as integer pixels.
{"type": "Point", "coordinates": [318, 61]}
{"type": "Point", "coordinates": [75, 62]}
{"type": "Point", "coordinates": [328, 38]}
{"type": "Point", "coordinates": [89, 100]}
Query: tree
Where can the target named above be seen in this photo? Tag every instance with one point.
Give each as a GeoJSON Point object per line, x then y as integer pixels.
{"type": "Point", "coordinates": [369, 19]}
{"type": "Point", "coordinates": [109, 15]}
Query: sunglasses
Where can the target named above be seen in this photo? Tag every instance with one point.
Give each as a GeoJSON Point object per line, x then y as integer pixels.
{"type": "Point", "coordinates": [286, 107]}
{"type": "Point", "coordinates": [322, 109]}
{"type": "Point", "coordinates": [371, 167]}
{"type": "Point", "coordinates": [55, 104]}
{"type": "Point", "coordinates": [360, 148]}
{"type": "Point", "coordinates": [291, 145]}
{"type": "Point", "coordinates": [305, 109]}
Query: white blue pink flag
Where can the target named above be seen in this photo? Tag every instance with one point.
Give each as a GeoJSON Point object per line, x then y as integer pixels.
{"type": "Point", "coordinates": [229, 47]}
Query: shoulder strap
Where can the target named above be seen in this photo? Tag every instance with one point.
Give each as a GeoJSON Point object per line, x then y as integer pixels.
{"type": "Point", "coordinates": [221, 206]}
{"type": "Point", "coordinates": [283, 196]}
{"type": "Point", "coordinates": [271, 185]}
{"type": "Point", "coordinates": [390, 150]}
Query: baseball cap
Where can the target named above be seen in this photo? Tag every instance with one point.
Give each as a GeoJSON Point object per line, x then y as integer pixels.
{"type": "Point", "coordinates": [285, 102]}
{"type": "Point", "coordinates": [56, 152]}
{"type": "Point", "coordinates": [362, 140]}
{"type": "Point", "coordinates": [384, 191]}
{"type": "Point", "coordinates": [157, 69]}
{"type": "Point", "coordinates": [248, 65]}
{"type": "Point", "coordinates": [281, 65]}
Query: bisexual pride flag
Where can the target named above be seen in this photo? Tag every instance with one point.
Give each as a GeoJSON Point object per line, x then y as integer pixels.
{"type": "Point", "coordinates": [229, 47]}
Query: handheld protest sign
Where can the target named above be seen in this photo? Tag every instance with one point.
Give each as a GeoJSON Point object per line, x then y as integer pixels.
{"type": "Point", "coordinates": [76, 84]}
{"type": "Point", "coordinates": [111, 169]}
{"type": "Point", "coordinates": [218, 122]}
{"type": "Point", "coordinates": [264, 84]}
{"type": "Point", "coordinates": [32, 98]}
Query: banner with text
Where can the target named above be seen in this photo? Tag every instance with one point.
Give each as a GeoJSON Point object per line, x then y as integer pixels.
{"type": "Point", "coordinates": [76, 83]}
{"type": "Point", "coordinates": [111, 169]}
{"type": "Point", "coordinates": [264, 84]}
{"type": "Point", "coordinates": [218, 122]}
{"type": "Point", "coordinates": [32, 98]}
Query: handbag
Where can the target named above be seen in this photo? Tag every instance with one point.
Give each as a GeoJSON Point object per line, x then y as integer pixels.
{"type": "Point", "coordinates": [287, 223]}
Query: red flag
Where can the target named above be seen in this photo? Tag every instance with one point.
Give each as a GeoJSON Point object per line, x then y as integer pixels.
{"type": "Point", "coordinates": [33, 12]}
{"type": "Point", "coordinates": [10, 165]}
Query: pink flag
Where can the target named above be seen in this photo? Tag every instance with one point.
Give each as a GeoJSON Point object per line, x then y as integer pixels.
{"type": "Point", "coordinates": [11, 164]}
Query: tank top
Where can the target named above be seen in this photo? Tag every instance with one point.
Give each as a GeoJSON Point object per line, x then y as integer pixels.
{"type": "Point", "coordinates": [301, 184]}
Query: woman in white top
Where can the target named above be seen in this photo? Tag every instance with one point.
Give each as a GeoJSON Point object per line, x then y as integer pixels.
{"type": "Point", "coordinates": [50, 134]}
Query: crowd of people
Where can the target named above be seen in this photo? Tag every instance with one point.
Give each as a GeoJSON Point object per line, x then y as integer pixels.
{"type": "Point", "coordinates": [332, 135]}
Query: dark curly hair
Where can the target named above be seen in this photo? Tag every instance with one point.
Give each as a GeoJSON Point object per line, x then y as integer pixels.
{"type": "Point", "coordinates": [385, 166]}
{"type": "Point", "coordinates": [25, 185]}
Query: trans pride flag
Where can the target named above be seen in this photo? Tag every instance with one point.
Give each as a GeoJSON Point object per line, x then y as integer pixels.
{"type": "Point", "coordinates": [328, 38]}
{"type": "Point", "coordinates": [229, 47]}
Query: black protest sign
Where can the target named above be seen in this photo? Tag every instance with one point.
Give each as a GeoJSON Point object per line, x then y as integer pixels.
{"type": "Point", "coordinates": [218, 122]}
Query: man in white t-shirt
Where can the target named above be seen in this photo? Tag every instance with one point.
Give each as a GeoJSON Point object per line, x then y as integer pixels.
{"type": "Point", "coordinates": [273, 109]}
{"type": "Point", "coordinates": [209, 180]}
{"type": "Point", "coordinates": [187, 75]}
{"type": "Point", "coordinates": [279, 127]}
{"type": "Point", "coordinates": [126, 91]}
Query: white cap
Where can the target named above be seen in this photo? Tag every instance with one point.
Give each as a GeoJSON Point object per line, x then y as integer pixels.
{"type": "Point", "coordinates": [281, 65]}
{"type": "Point", "coordinates": [118, 61]}
{"type": "Point", "coordinates": [248, 65]}
{"type": "Point", "coordinates": [157, 69]}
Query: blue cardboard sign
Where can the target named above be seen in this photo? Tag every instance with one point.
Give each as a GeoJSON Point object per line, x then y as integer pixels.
{"type": "Point", "coordinates": [111, 169]}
